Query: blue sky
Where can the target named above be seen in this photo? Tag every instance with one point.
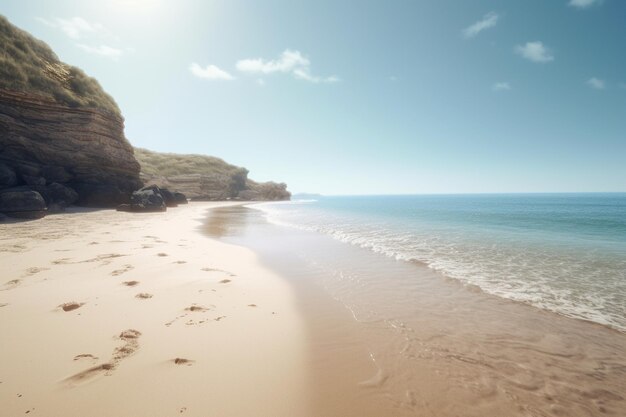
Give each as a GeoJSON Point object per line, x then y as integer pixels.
{"type": "Point", "coordinates": [364, 97]}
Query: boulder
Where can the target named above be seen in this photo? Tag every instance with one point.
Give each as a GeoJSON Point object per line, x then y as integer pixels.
{"type": "Point", "coordinates": [168, 197]}
{"type": "Point", "coordinates": [32, 180]}
{"type": "Point", "coordinates": [180, 198]}
{"type": "Point", "coordinates": [148, 200]}
{"type": "Point", "coordinates": [57, 194]}
{"type": "Point", "coordinates": [7, 176]}
{"type": "Point", "coordinates": [22, 204]}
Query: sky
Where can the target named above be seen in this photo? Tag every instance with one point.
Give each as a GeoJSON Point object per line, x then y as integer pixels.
{"type": "Point", "coordinates": [361, 96]}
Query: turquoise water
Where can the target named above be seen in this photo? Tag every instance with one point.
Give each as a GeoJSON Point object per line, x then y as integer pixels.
{"type": "Point", "coordinates": [561, 252]}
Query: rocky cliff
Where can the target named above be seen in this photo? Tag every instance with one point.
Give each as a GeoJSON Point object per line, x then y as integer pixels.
{"type": "Point", "coordinates": [202, 177]}
{"type": "Point", "coordinates": [57, 126]}
{"type": "Point", "coordinates": [46, 142]}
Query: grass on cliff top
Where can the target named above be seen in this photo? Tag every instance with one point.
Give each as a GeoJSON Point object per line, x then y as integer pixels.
{"type": "Point", "coordinates": [170, 164]}
{"type": "Point", "coordinates": [29, 65]}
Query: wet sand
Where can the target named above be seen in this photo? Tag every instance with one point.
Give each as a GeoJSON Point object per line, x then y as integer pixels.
{"type": "Point", "coordinates": [398, 339]}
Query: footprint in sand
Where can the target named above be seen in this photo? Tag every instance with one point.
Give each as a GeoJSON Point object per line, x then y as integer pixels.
{"type": "Point", "coordinates": [104, 259]}
{"type": "Point", "coordinates": [230, 274]}
{"type": "Point", "coordinates": [130, 283]}
{"type": "Point", "coordinates": [34, 270]}
{"type": "Point", "coordinates": [72, 305]}
{"type": "Point", "coordinates": [183, 361]}
{"type": "Point", "coordinates": [85, 356]}
{"type": "Point", "coordinates": [225, 281]}
{"type": "Point", "coordinates": [195, 307]}
{"type": "Point", "coordinates": [4, 304]}
{"type": "Point", "coordinates": [219, 318]}
{"type": "Point", "coordinates": [252, 305]}
{"type": "Point", "coordinates": [61, 261]}
{"type": "Point", "coordinates": [143, 295]}
{"type": "Point", "coordinates": [9, 285]}
{"type": "Point", "coordinates": [161, 254]}
{"type": "Point", "coordinates": [130, 338]}
{"type": "Point", "coordinates": [180, 262]}
{"type": "Point", "coordinates": [122, 270]}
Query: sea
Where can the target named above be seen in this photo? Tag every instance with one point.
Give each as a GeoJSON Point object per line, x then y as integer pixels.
{"type": "Point", "coordinates": [565, 253]}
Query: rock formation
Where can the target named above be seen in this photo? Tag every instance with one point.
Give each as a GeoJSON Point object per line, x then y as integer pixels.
{"type": "Point", "coordinates": [202, 177]}
{"type": "Point", "coordinates": [43, 142]}
{"type": "Point", "coordinates": [152, 198]}
{"type": "Point", "coordinates": [61, 135]}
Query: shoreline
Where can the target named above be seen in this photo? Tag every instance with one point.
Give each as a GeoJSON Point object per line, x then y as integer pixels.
{"type": "Point", "coordinates": [437, 339]}
{"type": "Point", "coordinates": [107, 313]}
{"type": "Point", "coordinates": [164, 320]}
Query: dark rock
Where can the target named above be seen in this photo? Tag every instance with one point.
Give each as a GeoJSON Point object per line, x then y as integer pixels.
{"type": "Point", "coordinates": [180, 198]}
{"type": "Point", "coordinates": [33, 180]}
{"type": "Point", "coordinates": [25, 168]}
{"type": "Point", "coordinates": [100, 195]}
{"type": "Point", "coordinates": [55, 174]}
{"type": "Point", "coordinates": [7, 176]}
{"type": "Point", "coordinates": [147, 200]}
{"type": "Point", "coordinates": [168, 197]}
{"type": "Point", "coordinates": [57, 194]}
{"type": "Point", "coordinates": [22, 204]}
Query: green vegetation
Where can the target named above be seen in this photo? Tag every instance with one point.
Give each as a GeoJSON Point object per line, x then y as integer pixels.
{"type": "Point", "coordinates": [171, 164]}
{"type": "Point", "coordinates": [29, 65]}
{"type": "Point", "coordinates": [207, 177]}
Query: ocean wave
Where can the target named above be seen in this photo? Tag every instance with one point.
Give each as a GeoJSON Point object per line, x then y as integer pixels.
{"type": "Point", "coordinates": [564, 281]}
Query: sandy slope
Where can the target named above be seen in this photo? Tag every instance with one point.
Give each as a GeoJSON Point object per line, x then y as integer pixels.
{"type": "Point", "coordinates": [160, 321]}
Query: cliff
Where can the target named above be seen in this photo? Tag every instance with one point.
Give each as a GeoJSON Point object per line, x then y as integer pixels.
{"type": "Point", "coordinates": [57, 126]}
{"type": "Point", "coordinates": [202, 177]}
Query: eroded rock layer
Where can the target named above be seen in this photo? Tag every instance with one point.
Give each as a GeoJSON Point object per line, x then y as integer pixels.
{"type": "Point", "coordinates": [45, 142]}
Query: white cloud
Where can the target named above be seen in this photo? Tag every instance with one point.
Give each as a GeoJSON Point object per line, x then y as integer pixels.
{"type": "Point", "coordinates": [596, 83]}
{"type": "Point", "coordinates": [210, 72]}
{"type": "Point", "coordinates": [288, 61]}
{"type": "Point", "coordinates": [535, 51]}
{"type": "Point", "coordinates": [292, 62]}
{"type": "Point", "coordinates": [501, 86]}
{"type": "Point", "coordinates": [303, 74]}
{"type": "Point", "coordinates": [488, 21]}
{"type": "Point", "coordinates": [102, 50]}
{"type": "Point", "coordinates": [75, 27]}
{"type": "Point", "coordinates": [582, 4]}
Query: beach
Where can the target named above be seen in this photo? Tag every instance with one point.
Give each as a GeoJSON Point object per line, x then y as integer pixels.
{"type": "Point", "coordinates": [209, 310]}
{"type": "Point", "coordinates": [105, 313]}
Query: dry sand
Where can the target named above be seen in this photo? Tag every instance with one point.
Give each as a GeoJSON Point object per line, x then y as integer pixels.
{"type": "Point", "coordinates": [105, 313]}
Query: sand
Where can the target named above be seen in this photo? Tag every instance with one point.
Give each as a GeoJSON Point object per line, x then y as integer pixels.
{"type": "Point", "coordinates": [121, 314]}
{"type": "Point", "coordinates": [104, 313]}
